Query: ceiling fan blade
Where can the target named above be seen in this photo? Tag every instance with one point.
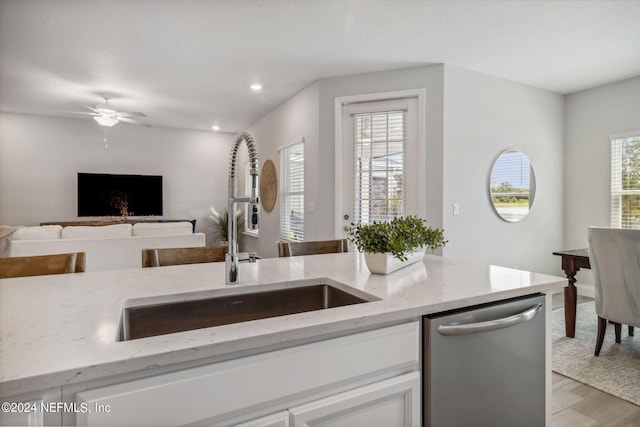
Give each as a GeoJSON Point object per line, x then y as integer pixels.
{"type": "Point", "coordinates": [131, 114]}
{"type": "Point", "coordinates": [78, 112]}
{"type": "Point", "coordinates": [133, 122]}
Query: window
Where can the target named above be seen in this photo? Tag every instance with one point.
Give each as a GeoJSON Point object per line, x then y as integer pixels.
{"type": "Point", "coordinates": [380, 157]}
{"type": "Point", "coordinates": [292, 192]}
{"type": "Point", "coordinates": [379, 166]}
{"type": "Point", "coordinates": [625, 182]}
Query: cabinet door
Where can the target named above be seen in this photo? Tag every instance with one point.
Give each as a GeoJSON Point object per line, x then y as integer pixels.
{"type": "Point", "coordinates": [390, 403]}
{"type": "Point", "coordinates": [39, 408]}
{"type": "Point", "coordinates": [280, 419]}
{"type": "Point", "coordinates": [23, 414]}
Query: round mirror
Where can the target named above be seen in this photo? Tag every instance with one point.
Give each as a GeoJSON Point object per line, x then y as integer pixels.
{"type": "Point", "coordinates": [512, 185]}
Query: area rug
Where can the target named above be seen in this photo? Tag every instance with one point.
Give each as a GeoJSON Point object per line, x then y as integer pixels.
{"type": "Point", "coordinates": [616, 371]}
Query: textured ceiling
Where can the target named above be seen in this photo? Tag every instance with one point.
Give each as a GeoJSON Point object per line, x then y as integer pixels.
{"type": "Point", "coordinates": [189, 63]}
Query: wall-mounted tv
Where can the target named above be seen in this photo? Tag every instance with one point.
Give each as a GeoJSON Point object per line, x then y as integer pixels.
{"type": "Point", "coordinates": [101, 194]}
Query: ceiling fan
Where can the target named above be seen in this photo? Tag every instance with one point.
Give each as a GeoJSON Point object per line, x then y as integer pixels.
{"type": "Point", "coordinates": [107, 116]}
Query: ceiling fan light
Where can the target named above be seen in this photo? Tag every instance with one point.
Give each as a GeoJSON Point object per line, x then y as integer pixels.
{"type": "Point", "coordinates": [103, 109]}
{"type": "Point", "coordinates": [105, 120]}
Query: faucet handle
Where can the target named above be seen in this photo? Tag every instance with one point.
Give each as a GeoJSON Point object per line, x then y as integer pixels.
{"type": "Point", "coordinates": [254, 215]}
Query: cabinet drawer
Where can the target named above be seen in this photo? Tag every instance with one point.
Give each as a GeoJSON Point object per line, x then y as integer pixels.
{"type": "Point", "coordinates": [391, 403]}
{"type": "Point", "coordinates": [200, 393]}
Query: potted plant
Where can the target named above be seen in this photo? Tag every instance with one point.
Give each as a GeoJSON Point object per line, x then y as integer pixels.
{"type": "Point", "coordinates": [221, 224]}
{"type": "Point", "coordinates": [388, 246]}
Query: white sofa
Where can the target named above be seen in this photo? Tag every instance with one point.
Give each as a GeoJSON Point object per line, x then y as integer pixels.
{"type": "Point", "coordinates": [108, 247]}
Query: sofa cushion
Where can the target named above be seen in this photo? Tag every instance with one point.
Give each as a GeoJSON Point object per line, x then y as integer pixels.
{"type": "Point", "coordinates": [162, 228]}
{"type": "Point", "coordinates": [96, 232]}
{"type": "Point", "coordinates": [43, 232]}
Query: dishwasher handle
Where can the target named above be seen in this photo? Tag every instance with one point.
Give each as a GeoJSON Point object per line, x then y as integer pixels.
{"type": "Point", "coordinates": [490, 325]}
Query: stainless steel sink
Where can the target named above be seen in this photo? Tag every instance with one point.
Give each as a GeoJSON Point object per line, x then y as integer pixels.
{"type": "Point", "coordinates": [146, 317]}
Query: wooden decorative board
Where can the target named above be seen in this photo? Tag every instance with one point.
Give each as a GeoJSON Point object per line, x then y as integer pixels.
{"type": "Point", "coordinates": [268, 185]}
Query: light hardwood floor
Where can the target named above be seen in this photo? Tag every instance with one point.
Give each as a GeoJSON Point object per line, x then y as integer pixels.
{"type": "Point", "coordinates": [578, 405]}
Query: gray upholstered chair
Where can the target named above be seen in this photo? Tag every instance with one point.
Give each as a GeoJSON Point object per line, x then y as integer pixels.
{"type": "Point", "coordinates": [614, 255]}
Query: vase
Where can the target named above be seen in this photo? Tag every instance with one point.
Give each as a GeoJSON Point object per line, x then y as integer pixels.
{"type": "Point", "coordinates": [385, 263]}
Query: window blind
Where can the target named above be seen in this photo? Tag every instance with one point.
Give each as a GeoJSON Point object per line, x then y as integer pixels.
{"type": "Point", "coordinates": [379, 165]}
{"type": "Point", "coordinates": [292, 192]}
{"type": "Point", "coordinates": [625, 182]}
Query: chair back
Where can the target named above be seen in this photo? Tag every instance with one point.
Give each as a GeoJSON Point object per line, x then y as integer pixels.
{"type": "Point", "coordinates": [287, 249]}
{"type": "Point", "coordinates": [614, 255]}
{"type": "Point", "coordinates": [40, 265]}
{"type": "Point", "coordinates": [176, 256]}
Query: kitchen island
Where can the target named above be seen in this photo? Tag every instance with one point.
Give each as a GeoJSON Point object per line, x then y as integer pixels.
{"type": "Point", "coordinates": [58, 334]}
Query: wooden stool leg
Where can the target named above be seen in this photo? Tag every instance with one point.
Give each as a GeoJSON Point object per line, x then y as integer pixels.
{"type": "Point", "coordinates": [602, 327]}
{"type": "Point", "coordinates": [618, 329]}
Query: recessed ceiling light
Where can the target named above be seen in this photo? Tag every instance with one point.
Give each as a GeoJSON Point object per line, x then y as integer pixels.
{"type": "Point", "coordinates": [256, 86]}
{"type": "Point", "coordinates": [215, 127]}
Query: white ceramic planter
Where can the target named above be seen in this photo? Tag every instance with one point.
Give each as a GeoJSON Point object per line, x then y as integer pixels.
{"type": "Point", "coordinates": [385, 263]}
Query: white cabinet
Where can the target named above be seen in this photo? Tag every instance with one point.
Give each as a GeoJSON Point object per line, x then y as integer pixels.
{"type": "Point", "coordinates": [41, 408]}
{"type": "Point", "coordinates": [390, 403]}
{"type": "Point", "coordinates": [22, 413]}
{"type": "Point", "coordinates": [211, 394]}
{"type": "Point", "coordinates": [280, 419]}
{"type": "Point", "coordinates": [394, 402]}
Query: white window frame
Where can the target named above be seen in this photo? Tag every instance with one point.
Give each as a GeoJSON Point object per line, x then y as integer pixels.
{"type": "Point", "coordinates": [617, 192]}
{"type": "Point", "coordinates": [285, 193]}
{"type": "Point", "coordinates": [339, 161]}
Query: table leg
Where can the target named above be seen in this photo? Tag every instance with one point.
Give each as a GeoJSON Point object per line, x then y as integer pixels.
{"type": "Point", "coordinates": [570, 301]}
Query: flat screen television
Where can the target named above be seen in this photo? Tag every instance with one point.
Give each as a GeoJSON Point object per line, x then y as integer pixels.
{"type": "Point", "coordinates": [101, 194]}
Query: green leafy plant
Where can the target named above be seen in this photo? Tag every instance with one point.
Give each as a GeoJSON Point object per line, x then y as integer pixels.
{"type": "Point", "coordinates": [221, 223]}
{"type": "Point", "coordinates": [399, 237]}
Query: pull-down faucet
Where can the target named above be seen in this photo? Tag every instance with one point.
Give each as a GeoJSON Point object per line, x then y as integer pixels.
{"type": "Point", "coordinates": [253, 210]}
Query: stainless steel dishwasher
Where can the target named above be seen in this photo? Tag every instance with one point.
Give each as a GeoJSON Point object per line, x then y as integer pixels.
{"type": "Point", "coordinates": [485, 365]}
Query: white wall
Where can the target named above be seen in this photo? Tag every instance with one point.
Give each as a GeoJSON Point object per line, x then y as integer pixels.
{"type": "Point", "coordinates": [310, 114]}
{"type": "Point", "coordinates": [429, 78]}
{"type": "Point", "coordinates": [591, 116]}
{"type": "Point", "coordinates": [470, 118]}
{"type": "Point", "coordinates": [483, 116]}
{"type": "Point", "coordinates": [41, 156]}
{"type": "Point", "coordinates": [294, 119]}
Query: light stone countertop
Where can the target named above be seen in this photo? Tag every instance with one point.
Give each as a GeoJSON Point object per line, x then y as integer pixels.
{"type": "Point", "coordinates": [61, 329]}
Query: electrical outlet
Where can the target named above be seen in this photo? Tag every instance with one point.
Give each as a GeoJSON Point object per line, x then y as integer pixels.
{"type": "Point", "coordinates": [456, 208]}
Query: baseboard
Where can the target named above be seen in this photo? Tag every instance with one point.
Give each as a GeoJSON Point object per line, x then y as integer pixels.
{"type": "Point", "coordinates": [586, 290]}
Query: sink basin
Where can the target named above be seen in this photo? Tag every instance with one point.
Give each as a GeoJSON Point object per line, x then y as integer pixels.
{"type": "Point", "coordinates": [146, 317]}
